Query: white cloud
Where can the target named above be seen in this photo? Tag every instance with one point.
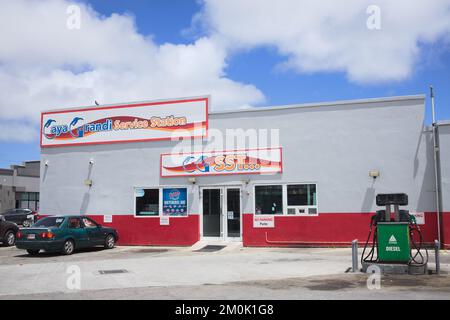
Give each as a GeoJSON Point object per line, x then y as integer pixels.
{"type": "Point", "coordinates": [20, 131]}
{"type": "Point", "coordinates": [44, 65]}
{"type": "Point", "coordinates": [330, 35]}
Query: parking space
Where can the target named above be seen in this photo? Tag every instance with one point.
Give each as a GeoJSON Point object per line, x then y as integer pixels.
{"type": "Point", "coordinates": [185, 272]}
{"type": "Point", "coordinates": [14, 256]}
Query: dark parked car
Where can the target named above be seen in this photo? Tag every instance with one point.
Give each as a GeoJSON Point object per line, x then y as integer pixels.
{"type": "Point", "coordinates": [23, 217]}
{"type": "Point", "coordinates": [65, 234]}
{"type": "Point", "coordinates": [8, 232]}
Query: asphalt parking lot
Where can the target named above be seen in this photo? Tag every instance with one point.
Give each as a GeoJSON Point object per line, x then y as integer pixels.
{"type": "Point", "coordinates": [184, 273]}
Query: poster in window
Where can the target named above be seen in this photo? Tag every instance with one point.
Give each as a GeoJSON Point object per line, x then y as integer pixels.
{"type": "Point", "coordinates": [175, 202]}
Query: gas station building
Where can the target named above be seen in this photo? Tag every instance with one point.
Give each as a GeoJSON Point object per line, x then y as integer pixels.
{"type": "Point", "coordinates": [174, 172]}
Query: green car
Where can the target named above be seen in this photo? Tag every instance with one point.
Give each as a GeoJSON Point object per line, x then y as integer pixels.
{"type": "Point", "coordinates": [65, 234]}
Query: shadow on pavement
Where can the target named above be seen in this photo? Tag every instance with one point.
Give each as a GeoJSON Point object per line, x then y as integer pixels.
{"type": "Point", "coordinates": [44, 254]}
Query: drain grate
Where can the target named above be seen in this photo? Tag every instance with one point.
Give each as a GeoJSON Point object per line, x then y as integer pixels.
{"type": "Point", "coordinates": [112, 271]}
{"type": "Point", "coordinates": [210, 248]}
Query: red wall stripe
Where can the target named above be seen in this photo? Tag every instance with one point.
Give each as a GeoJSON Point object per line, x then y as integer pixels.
{"type": "Point", "coordinates": [182, 231]}
{"type": "Point", "coordinates": [337, 229]}
{"type": "Point", "coordinates": [324, 229]}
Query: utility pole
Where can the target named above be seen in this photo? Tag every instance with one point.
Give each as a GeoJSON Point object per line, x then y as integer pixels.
{"type": "Point", "coordinates": [436, 164]}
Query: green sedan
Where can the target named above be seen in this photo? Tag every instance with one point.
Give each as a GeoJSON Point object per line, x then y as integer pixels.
{"type": "Point", "coordinates": [65, 234]}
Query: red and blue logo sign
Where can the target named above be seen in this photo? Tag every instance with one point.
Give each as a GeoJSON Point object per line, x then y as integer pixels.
{"type": "Point", "coordinates": [175, 201]}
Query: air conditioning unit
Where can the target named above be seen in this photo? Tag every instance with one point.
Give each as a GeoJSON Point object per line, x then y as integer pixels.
{"type": "Point", "coordinates": [302, 210]}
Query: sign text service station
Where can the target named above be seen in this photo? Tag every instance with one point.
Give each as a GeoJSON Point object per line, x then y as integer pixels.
{"type": "Point", "coordinates": [162, 120]}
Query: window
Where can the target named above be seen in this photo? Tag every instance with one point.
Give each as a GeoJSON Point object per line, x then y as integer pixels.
{"type": "Point", "coordinates": [74, 223]}
{"type": "Point", "coordinates": [88, 223]}
{"type": "Point", "coordinates": [49, 222]}
{"type": "Point", "coordinates": [301, 195]}
{"type": "Point", "coordinates": [147, 202]}
{"type": "Point", "coordinates": [27, 200]}
{"type": "Point", "coordinates": [291, 199]}
{"type": "Point", "coordinates": [269, 199]}
{"type": "Point", "coordinates": [301, 199]}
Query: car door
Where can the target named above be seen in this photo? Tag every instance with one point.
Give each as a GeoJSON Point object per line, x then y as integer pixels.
{"type": "Point", "coordinates": [95, 233]}
{"type": "Point", "coordinates": [13, 216]}
{"type": "Point", "coordinates": [77, 231]}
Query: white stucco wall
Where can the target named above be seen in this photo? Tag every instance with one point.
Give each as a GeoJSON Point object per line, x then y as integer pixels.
{"type": "Point", "coordinates": [334, 145]}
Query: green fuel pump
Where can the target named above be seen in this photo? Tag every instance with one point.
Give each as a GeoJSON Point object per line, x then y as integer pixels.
{"type": "Point", "coordinates": [396, 240]}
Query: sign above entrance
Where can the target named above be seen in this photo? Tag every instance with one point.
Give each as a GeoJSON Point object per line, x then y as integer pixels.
{"type": "Point", "coordinates": [146, 121]}
{"type": "Point", "coordinates": [251, 161]}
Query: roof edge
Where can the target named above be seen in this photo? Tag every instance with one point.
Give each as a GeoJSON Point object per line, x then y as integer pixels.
{"type": "Point", "coordinates": [443, 123]}
{"type": "Point", "coordinates": [324, 104]}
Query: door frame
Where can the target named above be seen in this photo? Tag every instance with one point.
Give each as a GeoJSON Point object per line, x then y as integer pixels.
{"type": "Point", "coordinates": [223, 218]}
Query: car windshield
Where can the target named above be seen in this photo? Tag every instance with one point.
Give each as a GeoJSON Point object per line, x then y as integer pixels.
{"type": "Point", "coordinates": [49, 222]}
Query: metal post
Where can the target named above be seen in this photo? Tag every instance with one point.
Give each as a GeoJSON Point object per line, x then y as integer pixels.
{"type": "Point", "coordinates": [436, 164]}
{"type": "Point", "coordinates": [437, 260]}
{"type": "Point", "coordinates": [387, 216]}
{"type": "Point", "coordinates": [355, 255]}
{"type": "Point", "coordinates": [396, 213]}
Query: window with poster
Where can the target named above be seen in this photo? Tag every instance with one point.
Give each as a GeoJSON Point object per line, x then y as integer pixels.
{"type": "Point", "coordinates": [155, 202]}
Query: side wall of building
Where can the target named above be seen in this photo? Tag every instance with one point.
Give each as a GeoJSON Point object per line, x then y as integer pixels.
{"type": "Point", "coordinates": [444, 143]}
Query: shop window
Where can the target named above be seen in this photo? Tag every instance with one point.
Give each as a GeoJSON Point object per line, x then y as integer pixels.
{"type": "Point", "coordinates": [147, 202]}
{"type": "Point", "coordinates": [175, 201]}
{"type": "Point", "coordinates": [301, 199]}
{"type": "Point", "coordinates": [269, 199]}
{"type": "Point", "coordinates": [301, 195]}
{"type": "Point", "coordinates": [290, 199]}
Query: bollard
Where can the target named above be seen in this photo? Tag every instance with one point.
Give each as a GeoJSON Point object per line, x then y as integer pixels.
{"type": "Point", "coordinates": [437, 247]}
{"type": "Point", "coordinates": [354, 255]}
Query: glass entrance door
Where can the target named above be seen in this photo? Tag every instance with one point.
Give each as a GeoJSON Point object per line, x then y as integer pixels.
{"type": "Point", "coordinates": [212, 212]}
{"type": "Point", "coordinates": [233, 212]}
{"type": "Point", "coordinates": [221, 210]}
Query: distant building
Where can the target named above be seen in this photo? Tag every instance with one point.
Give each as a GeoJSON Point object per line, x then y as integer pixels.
{"type": "Point", "coordinates": [19, 186]}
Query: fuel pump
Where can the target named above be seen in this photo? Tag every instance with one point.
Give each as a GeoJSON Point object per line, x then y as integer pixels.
{"type": "Point", "coordinates": [395, 242]}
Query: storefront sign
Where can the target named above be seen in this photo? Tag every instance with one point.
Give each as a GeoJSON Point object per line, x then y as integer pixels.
{"type": "Point", "coordinates": [174, 201]}
{"type": "Point", "coordinates": [162, 120]}
{"type": "Point", "coordinates": [420, 217]}
{"type": "Point", "coordinates": [251, 161]}
{"type": "Point", "coordinates": [107, 218]}
{"type": "Point", "coordinates": [263, 221]}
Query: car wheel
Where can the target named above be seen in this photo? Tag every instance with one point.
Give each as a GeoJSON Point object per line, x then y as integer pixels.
{"type": "Point", "coordinates": [26, 223]}
{"type": "Point", "coordinates": [110, 241]}
{"type": "Point", "coordinates": [68, 247]}
{"type": "Point", "coordinates": [10, 238]}
{"type": "Point", "coordinates": [33, 252]}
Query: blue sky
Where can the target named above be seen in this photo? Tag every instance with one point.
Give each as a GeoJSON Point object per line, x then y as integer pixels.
{"type": "Point", "coordinates": [258, 64]}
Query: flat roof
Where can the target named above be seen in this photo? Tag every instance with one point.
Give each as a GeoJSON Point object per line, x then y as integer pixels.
{"type": "Point", "coordinates": [443, 123]}
{"type": "Point", "coordinates": [261, 108]}
{"type": "Point", "coordinates": [324, 104]}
